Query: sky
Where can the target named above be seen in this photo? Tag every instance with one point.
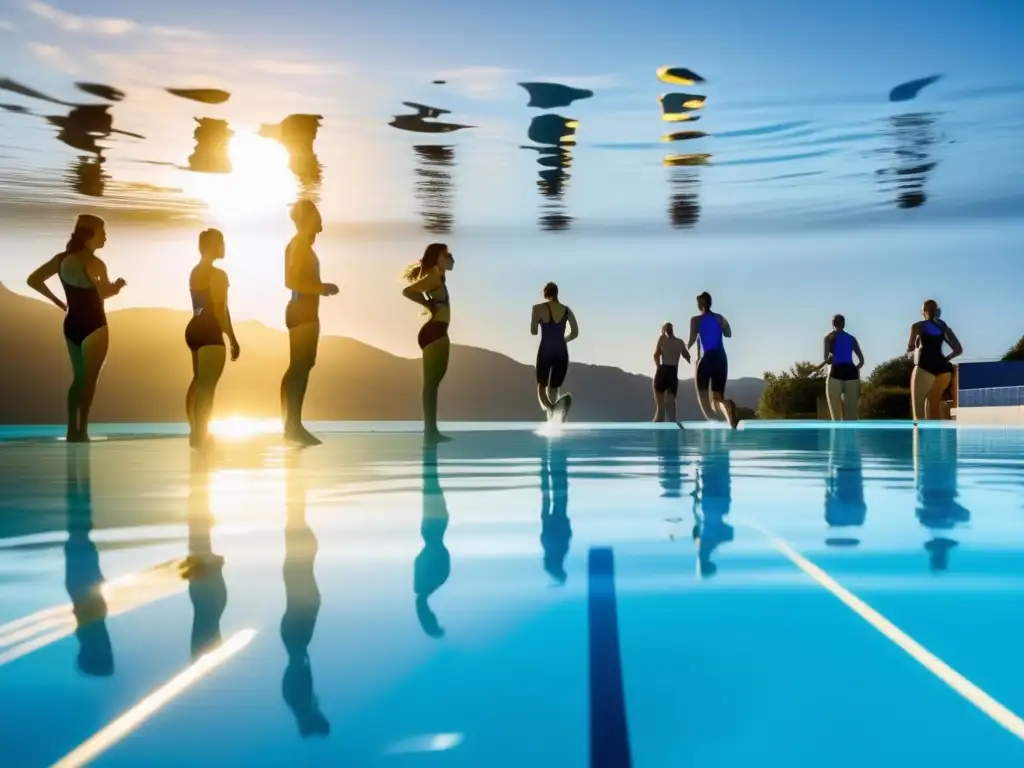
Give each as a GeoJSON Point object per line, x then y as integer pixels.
{"type": "Point", "coordinates": [794, 217]}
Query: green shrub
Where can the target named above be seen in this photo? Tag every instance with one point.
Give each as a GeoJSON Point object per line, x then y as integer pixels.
{"type": "Point", "coordinates": [879, 402]}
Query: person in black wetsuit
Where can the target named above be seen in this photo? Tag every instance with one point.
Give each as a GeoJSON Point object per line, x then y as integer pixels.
{"type": "Point", "coordinates": [427, 287]}
{"type": "Point", "coordinates": [712, 364]}
{"type": "Point", "coordinates": [302, 317]}
{"type": "Point", "coordinates": [86, 285]}
{"type": "Point", "coordinates": [933, 370]}
{"type": "Point", "coordinates": [205, 333]}
{"type": "Point", "coordinates": [843, 387]}
{"type": "Point", "coordinates": [550, 319]}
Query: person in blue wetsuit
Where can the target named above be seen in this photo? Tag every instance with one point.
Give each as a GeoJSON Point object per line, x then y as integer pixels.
{"type": "Point", "coordinates": [550, 319]}
{"type": "Point", "coordinates": [933, 370]}
{"type": "Point", "coordinates": [843, 387]}
{"type": "Point", "coordinates": [710, 328]}
{"type": "Point", "coordinates": [205, 333]}
{"type": "Point", "coordinates": [86, 286]}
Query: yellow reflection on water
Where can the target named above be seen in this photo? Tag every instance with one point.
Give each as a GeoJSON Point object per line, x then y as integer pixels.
{"type": "Point", "coordinates": [241, 427]}
{"type": "Point", "coordinates": [260, 181]}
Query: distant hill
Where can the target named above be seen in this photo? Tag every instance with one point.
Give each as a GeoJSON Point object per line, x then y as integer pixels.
{"type": "Point", "coordinates": [148, 371]}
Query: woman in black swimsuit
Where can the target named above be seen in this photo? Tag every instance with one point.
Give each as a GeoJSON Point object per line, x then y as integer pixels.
{"type": "Point", "coordinates": [933, 370]}
{"type": "Point", "coordinates": [205, 333]}
{"type": "Point", "coordinates": [302, 278]}
{"type": "Point", "coordinates": [427, 288]}
{"type": "Point", "coordinates": [86, 285]}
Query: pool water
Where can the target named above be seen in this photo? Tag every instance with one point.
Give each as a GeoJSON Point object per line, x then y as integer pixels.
{"type": "Point", "coordinates": [792, 595]}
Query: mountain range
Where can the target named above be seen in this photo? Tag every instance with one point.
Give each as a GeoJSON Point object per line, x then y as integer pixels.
{"type": "Point", "coordinates": [148, 370]}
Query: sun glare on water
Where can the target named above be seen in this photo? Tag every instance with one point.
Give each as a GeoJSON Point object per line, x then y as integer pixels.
{"type": "Point", "coordinates": [241, 428]}
{"type": "Point", "coordinates": [260, 181]}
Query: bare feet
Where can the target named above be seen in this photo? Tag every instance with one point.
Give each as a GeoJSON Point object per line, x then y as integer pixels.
{"type": "Point", "coordinates": [433, 438]}
{"type": "Point", "coordinates": [296, 433]}
{"type": "Point", "coordinates": [731, 412]}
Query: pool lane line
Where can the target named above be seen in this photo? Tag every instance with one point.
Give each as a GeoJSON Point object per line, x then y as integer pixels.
{"type": "Point", "coordinates": [609, 733]}
{"type": "Point", "coordinates": [975, 695]}
{"type": "Point", "coordinates": [127, 722]}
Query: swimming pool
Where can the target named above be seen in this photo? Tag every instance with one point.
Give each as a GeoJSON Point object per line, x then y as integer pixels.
{"type": "Point", "coordinates": [795, 595]}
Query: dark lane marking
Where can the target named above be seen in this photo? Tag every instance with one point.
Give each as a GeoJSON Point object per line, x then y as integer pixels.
{"type": "Point", "coordinates": [609, 735]}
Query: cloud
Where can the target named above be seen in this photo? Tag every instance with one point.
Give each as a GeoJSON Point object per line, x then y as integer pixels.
{"type": "Point", "coordinates": [6, 26]}
{"type": "Point", "coordinates": [480, 82]}
{"type": "Point", "coordinates": [69, 22]}
{"type": "Point", "coordinates": [294, 68]}
{"type": "Point", "coordinates": [55, 57]}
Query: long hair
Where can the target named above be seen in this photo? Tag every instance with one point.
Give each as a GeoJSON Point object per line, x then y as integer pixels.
{"type": "Point", "coordinates": [86, 225]}
{"type": "Point", "coordinates": [668, 330]}
{"type": "Point", "coordinates": [428, 261]}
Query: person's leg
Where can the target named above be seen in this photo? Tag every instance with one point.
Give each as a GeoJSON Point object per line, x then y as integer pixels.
{"type": "Point", "coordinates": [659, 406]}
{"type": "Point", "coordinates": [920, 385]}
{"type": "Point", "coordinates": [543, 377]}
{"type": "Point", "coordinates": [94, 354]}
{"type": "Point", "coordinates": [75, 390]}
{"type": "Point", "coordinates": [559, 369]}
{"type": "Point", "coordinates": [435, 366]}
{"type": "Point", "coordinates": [933, 405]}
{"type": "Point", "coordinates": [209, 370]}
{"type": "Point", "coordinates": [719, 379]}
{"type": "Point", "coordinates": [702, 382]}
{"type": "Point", "coordinates": [303, 342]}
{"type": "Point", "coordinates": [190, 395]}
{"type": "Point", "coordinates": [834, 396]}
{"type": "Point", "coordinates": [851, 399]}
{"type": "Point", "coordinates": [670, 406]}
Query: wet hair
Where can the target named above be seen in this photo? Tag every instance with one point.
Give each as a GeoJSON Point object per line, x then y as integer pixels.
{"type": "Point", "coordinates": [431, 254]}
{"type": "Point", "coordinates": [838, 322]}
{"type": "Point", "coordinates": [930, 308]}
{"type": "Point", "coordinates": [704, 301]}
{"type": "Point", "coordinates": [208, 237]}
{"type": "Point", "coordinates": [86, 226]}
{"type": "Point", "coordinates": [551, 292]}
{"type": "Point", "coordinates": [668, 330]}
{"type": "Point", "coordinates": [302, 211]}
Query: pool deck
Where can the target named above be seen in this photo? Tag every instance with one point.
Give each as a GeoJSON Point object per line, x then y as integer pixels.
{"type": "Point", "coordinates": [614, 595]}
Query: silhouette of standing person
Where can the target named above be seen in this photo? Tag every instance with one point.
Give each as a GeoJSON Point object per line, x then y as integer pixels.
{"type": "Point", "coordinates": [86, 286]}
{"type": "Point", "coordinates": [433, 564]}
{"type": "Point", "coordinates": [82, 575]}
{"type": "Point", "coordinates": [205, 332]}
{"type": "Point", "coordinates": [428, 288]}
{"type": "Point", "coordinates": [302, 316]}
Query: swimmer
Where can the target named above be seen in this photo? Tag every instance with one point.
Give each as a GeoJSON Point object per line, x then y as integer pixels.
{"type": "Point", "coordinates": [551, 318]}
{"type": "Point", "coordinates": [712, 363]}
{"type": "Point", "coordinates": [933, 370]}
{"type": "Point", "coordinates": [204, 334]}
{"type": "Point", "coordinates": [86, 286]}
{"type": "Point", "coordinates": [302, 316]}
{"type": "Point", "coordinates": [843, 387]}
{"type": "Point", "coordinates": [427, 287]}
{"type": "Point", "coordinates": [667, 352]}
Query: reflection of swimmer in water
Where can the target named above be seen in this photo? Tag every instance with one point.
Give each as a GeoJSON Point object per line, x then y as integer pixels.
{"type": "Point", "coordinates": [935, 471]}
{"type": "Point", "coordinates": [844, 487]}
{"type": "Point", "coordinates": [710, 328]}
{"type": "Point", "coordinates": [843, 388]}
{"type": "Point", "coordinates": [82, 576]}
{"type": "Point", "coordinates": [205, 332]}
{"type": "Point", "coordinates": [204, 570]}
{"type": "Point", "coordinates": [433, 564]}
{"type": "Point", "coordinates": [667, 352]}
{"type": "Point", "coordinates": [302, 607]}
{"type": "Point", "coordinates": [550, 319]}
{"type": "Point", "coordinates": [712, 499]}
{"type": "Point", "coordinates": [428, 288]}
{"type": "Point", "coordinates": [670, 475]}
{"type": "Point", "coordinates": [302, 316]}
{"type": "Point", "coordinates": [556, 531]}
{"type": "Point", "coordinates": [933, 370]}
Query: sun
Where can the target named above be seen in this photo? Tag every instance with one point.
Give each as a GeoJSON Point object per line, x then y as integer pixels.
{"type": "Point", "coordinates": [260, 182]}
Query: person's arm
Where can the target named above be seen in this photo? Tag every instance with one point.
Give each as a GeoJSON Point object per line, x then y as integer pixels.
{"type": "Point", "coordinates": [858, 353]}
{"type": "Point", "coordinates": [96, 271]}
{"type": "Point", "coordinates": [417, 291]}
{"type": "Point", "coordinates": [953, 342]}
{"type": "Point", "coordinates": [657, 352]}
{"type": "Point", "coordinates": [726, 328]}
{"type": "Point", "coordinates": [693, 333]}
{"type": "Point", "coordinates": [297, 275]}
{"type": "Point", "coordinates": [219, 295]}
{"type": "Point", "coordinates": [685, 352]}
{"type": "Point", "coordinates": [37, 281]}
{"type": "Point", "coordinates": [575, 326]}
{"type": "Point", "coordinates": [915, 331]}
{"type": "Point", "coordinates": [534, 321]}
{"type": "Point", "coordinates": [826, 355]}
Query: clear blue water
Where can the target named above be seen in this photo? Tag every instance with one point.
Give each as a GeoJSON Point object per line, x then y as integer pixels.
{"type": "Point", "coordinates": [781, 595]}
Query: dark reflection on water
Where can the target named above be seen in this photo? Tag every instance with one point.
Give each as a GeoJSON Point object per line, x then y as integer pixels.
{"type": "Point", "coordinates": [556, 528]}
{"type": "Point", "coordinates": [297, 133]}
{"type": "Point", "coordinates": [557, 135]}
{"type": "Point", "coordinates": [679, 76]}
{"type": "Point", "coordinates": [912, 137]}
{"type": "Point", "coordinates": [13, 86]}
{"type": "Point", "coordinates": [676, 107]}
{"type": "Point", "coordinates": [202, 95]}
{"type": "Point", "coordinates": [434, 188]}
{"type": "Point", "coordinates": [683, 176]}
{"type": "Point", "coordinates": [82, 129]}
{"type": "Point", "coordinates": [909, 91]}
{"type": "Point", "coordinates": [211, 154]}
{"type": "Point", "coordinates": [424, 120]}
{"type": "Point", "coordinates": [433, 565]}
{"type": "Point", "coordinates": [938, 508]}
{"type": "Point", "coordinates": [554, 95]}
{"type": "Point", "coordinates": [101, 91]}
